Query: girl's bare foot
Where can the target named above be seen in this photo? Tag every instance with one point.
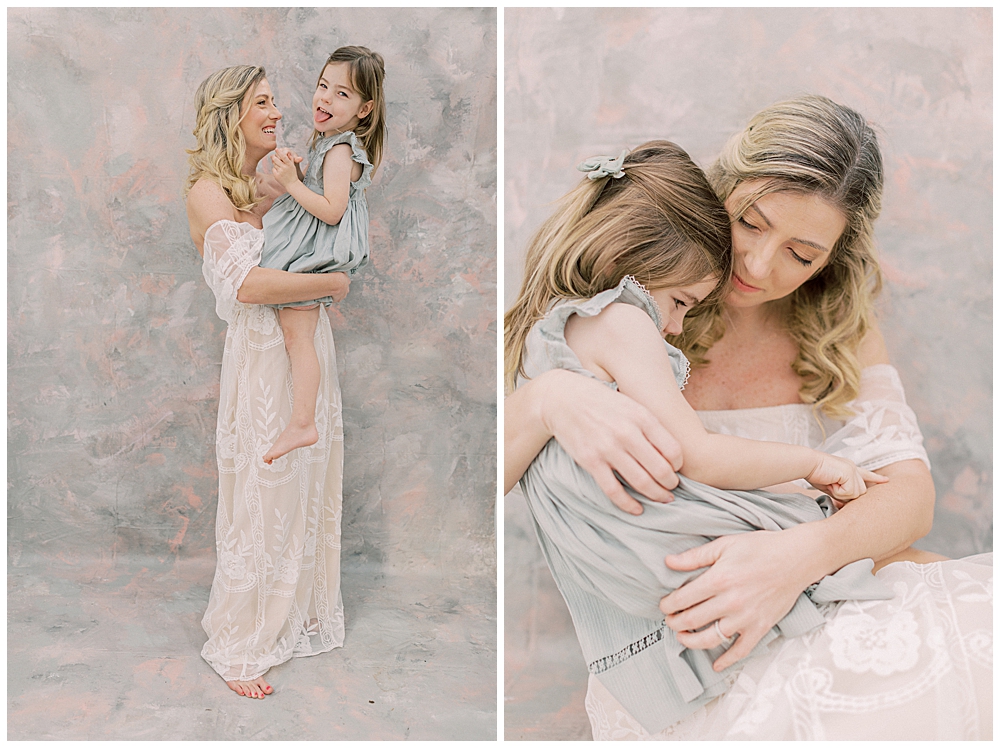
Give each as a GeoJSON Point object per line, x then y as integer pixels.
{"type": "Point", "coordinates": [291, 438]}
{"type": "Point", "coordinates": [254, 689]}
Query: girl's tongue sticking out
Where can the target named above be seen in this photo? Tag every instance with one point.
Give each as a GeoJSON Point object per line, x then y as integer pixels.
{"type": "Point", "coordinates": [321, 116]}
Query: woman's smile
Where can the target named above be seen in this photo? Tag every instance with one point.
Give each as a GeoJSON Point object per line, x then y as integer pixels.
{"type": "Point", "coordinates": [259, 118]}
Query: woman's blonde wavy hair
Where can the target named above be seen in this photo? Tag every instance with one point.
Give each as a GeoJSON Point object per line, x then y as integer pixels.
{"type": "Point", "coordinates": [661, 223]}
{"type": "Point", "coordinates": [367, 77]}
{"type": "Point", "coordinates": [221, 147]}
{"type": "Point", "coordinates": [811, 145]}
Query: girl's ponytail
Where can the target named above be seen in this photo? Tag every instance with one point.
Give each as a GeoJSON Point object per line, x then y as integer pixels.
{"type": "Point", "coordinates": [660, 222]}
{"type": "Point", "coordinates": [544, 274]}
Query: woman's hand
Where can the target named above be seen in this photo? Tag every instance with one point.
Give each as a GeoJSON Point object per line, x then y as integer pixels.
{"type": "Point", "coordinates": [752, 581]}
{"type": "Point", "coordinates": [283, 166]}
{"type": "Point", "coordinates": [842, 479]}
{"type": "Point", "coordinates": [610, 435]}
{"type": "Point", "coordinates": [341, 284]}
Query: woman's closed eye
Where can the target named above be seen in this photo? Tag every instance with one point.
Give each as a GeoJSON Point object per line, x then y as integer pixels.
{"type": "Point", "coordinates": [746, 224]}
{"type": "Point", "coordinates": [800, 259]}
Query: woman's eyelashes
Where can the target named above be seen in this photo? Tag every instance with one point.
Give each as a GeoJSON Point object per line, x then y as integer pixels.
{"type": "Point", "coordinates": [798, 258]}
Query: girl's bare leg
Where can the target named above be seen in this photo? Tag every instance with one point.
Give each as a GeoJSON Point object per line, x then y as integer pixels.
{"type": "Point", "coordinates": [299, 326]}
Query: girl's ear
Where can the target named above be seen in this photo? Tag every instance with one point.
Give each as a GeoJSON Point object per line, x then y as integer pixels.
{"type": "Point", "coordinates": [366, 109]}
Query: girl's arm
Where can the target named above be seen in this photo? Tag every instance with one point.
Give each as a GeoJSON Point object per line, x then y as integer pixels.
{"type": "Point", "coordinates": [622, 344]}
{"type": "Point", "coordinates": [338, 168]}
{"type": "Point", "coordinates": [206, 205]}
{"type": "Point", "coordinates": [754, 579]}
{"type": "Point", "coordinates": [603, 431]}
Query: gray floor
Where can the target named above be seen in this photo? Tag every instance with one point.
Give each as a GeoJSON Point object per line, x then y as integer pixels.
{"type": "Point", "coordinates": [108, 649]}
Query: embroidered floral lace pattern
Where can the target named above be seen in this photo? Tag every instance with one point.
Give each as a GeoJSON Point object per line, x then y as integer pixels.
{"type": "Point", "coordinates": [276, 591]}
{"type": "Point", "coordinates": [917, 667]}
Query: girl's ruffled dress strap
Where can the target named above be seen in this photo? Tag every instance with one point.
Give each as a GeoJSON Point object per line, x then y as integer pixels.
{"type": "Point", "coordinates": [547, 347]}
{"type": "Point", "coordinates": [323, 145]}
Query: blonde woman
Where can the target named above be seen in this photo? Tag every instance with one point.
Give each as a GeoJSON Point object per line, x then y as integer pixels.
{"type": "Point", "coordinates": [793, 355]}
{"type": "Point", "coordinates": [276, 591]}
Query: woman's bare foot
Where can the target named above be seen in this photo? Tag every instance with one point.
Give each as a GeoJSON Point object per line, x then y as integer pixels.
{"type": "Point", "coordinates": [291, 438]}
{"type": "Point", "coordinates": [254, 689]}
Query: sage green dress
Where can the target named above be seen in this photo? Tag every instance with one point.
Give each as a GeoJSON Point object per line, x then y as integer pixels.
{"type": "Point", "coordinates": [297, 241]}
{"type": "Point", "coordinates": [609, 565]}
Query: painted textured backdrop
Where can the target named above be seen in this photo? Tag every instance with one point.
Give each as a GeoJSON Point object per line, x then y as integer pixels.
{"type": "Point", "coordinates": [114, 348]}
{"type": "Point", "coordinates": [580, 83]}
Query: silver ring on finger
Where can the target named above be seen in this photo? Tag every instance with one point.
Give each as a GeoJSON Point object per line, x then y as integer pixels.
{"type": "Point", "coordinates": [723, 639]}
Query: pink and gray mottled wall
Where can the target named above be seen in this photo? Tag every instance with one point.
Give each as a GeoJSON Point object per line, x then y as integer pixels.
{"type": "Point", "coordinates": [114, 346]}
{"type": "Point", "coordinates": [582, 82]}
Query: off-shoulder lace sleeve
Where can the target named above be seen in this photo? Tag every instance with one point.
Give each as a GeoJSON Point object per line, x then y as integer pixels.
{"type": "Point", "coordinates": [884, 429]}
{"type": "Point", "coordinates": [231, 250]}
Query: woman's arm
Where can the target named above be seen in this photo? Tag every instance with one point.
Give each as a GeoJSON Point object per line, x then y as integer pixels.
{"type": "Point", "coordinates": [604, 431]}
{"type": "Point", "coordinates": [270, 286]}
{"type": "Point", "coordinates": [337, 170]}
{"type": "Point", "coordinates": [755, 579]}
{"type": "Point", "coordinates": [207, 204]}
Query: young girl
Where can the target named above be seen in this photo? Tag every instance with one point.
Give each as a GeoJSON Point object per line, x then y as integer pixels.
{"type": "Point", "coordinates": [650, 220]}
{"type": "Point", "coordinates": [321, 225]}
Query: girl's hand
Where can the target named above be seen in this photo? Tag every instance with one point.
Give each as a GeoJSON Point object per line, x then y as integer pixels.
{"type": "Point", "coordinates": [754, 579]}
{"type": "Point", "coordinates": [842, 479]}
{"type": "Point", "coordinates": [283, 167]}
{"type": "Point", "coordinates": [288, 153]}
{"type": "Point", "coordinates": [609, 434]}
{"type": "Point", "coordinates": [341, 284]}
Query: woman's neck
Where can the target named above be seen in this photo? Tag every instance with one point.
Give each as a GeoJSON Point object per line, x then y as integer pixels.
{"type": "Point", "coordinates": [751, 320]}
{"type": "Point", "coordinates": [250, 165]}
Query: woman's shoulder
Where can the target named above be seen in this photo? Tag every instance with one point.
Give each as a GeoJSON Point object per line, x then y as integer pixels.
{"type": "Point", "coordinates": [207, 195]}
{"type": "Point", "coordinates": [872, 350]}
{"type": "Point", "coordinates": [207, 204]}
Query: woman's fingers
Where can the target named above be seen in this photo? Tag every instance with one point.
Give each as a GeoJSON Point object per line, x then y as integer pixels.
{"type": "Point", "coordinates": [693, 619]}
{"type": "Point", "coordinates": [635, 475]}
{"type": "Point", "coordinates": [743, 646]}
{"type": "Point", "coordinates": [707, 637]}
{"type": "Point", "coordinates": [341, 285]}
{"type": "Point", "coordinates": [873, 478]}
{"type": "Point", "coordinates": [611, 486]}
{"type": "Point", "coordinates": [697, 557]}
{"type": "Point", "coordinates": [608, 433]}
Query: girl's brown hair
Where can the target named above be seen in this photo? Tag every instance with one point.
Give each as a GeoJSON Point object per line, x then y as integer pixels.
{"type": "Point", "coordinates": [367, 77]}
{"type": "Point", "coordinates": [661, 223]}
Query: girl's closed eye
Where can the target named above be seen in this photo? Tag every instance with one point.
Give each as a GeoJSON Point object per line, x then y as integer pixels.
{"type": "Point", "coordinates": [746, 224]}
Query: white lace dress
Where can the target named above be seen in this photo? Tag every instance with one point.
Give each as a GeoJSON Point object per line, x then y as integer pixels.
{"type": "Point", "coordinates": [917, 667]}
{"type": "Point", "coordinates": [276, 591]}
